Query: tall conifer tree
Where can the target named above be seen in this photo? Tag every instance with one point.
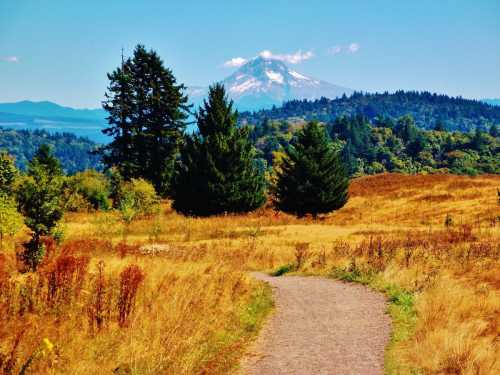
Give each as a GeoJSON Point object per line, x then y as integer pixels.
{"type": "Point", "coordinates": [40, 201]}
{"type": "Point", "coordinates": [217, 172]}
{"type": "Point", "coordinates": [147, 117]}
{"type": "Point", "coordinates": [311, 179]}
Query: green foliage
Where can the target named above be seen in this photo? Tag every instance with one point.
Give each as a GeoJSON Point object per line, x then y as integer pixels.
{"type": "Point", "coordinates": [218, 172]}
{"type": "Point", "coordinates": [353, 273]}
{"type": "Point", "coordinates": [426, 109]}
{"type": "Point", "coordinates": [75, 153]}
{"type": "Point", "coordinates": [39, 199]}
{"type": "Point", "coordinates": [312, 179]}
{"type": "Point", "coordinates": [11, 220]}
{"type": "Point", "coordinates": [147, 113]}
{"type": "Point", "coordinates": [281, 270]}
{"type": "Point", "coordinates": [399, 146]}
{"type": "Point", "coordinates": [87, 190]}
{"type": "Point", "coordinates": [8, 173]}
{"type": "Point", "coordinates": [137, 198]}
{"type": "Point", "coordinates": [494, 131]}
{"type": "Point", "coordinates": [260, 304]}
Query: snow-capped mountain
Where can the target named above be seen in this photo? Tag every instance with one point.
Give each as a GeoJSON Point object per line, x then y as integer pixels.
{"type": "Point", "coordinates": [262, 83]}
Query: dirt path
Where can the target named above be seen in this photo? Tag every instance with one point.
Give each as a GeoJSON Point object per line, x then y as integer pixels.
{"type": "Point", "coordinates": [321, 326]}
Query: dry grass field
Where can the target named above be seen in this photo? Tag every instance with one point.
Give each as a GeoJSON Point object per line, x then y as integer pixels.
{"type": "Point", "coordinates": [172, 295]}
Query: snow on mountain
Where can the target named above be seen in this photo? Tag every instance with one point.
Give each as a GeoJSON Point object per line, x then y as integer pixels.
{"type": "Point", "coordinates": [263, 82]}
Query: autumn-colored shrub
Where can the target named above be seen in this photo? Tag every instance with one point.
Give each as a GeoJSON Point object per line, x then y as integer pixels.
{"type": "Point", "coordinates": [8, 360]}
{"type": "Point", "coordinates": [130, 279]}
{"type": "Point", "coordinates": [4, 275]}
{"type": "Point", "coordinates": [125, 249]}
{"type": "Point", "coordinates": [65, 277]}
{"type": "Point", "coordinates": [301, 253]}
{"type": "Point", "coordinates": [98, 308]}
{"type": "Point", "coordinates": [87, 246]}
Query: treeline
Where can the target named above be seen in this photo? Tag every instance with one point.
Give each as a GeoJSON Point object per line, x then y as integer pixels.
{"type": "Point", "coordinates": [213, 171]}
{"type": "Point", "coordinates": [427, 109]}
{"type": "Point", "coordinates": [384, 145]}
{"type": "Point", "coordinates": [74, 153]}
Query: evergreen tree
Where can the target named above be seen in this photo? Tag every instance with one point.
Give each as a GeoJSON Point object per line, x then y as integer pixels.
{"type": "Point", "coordinates": [312, 179]}
{"type": "Point", "coordinates": [218, 172]}
{"type": "Point", "coordinates": [147, 117]}
{"type": "Point", "coordinates": [8, 173]}
{"type": "Point", "coordinates": [39, 199]}
{"type": "Point", "coordinates": [477, 142]}
{"type": "Point", "coordinates": [493, 131]}
{"type": "Point", "coordinates": [350, 161]}
{"type": "Point", "coordinates": [45, 161]}
{"type": "Point", "coordinates": [406, 129]}
{"type": "Point", "coordinates": [440, 127]}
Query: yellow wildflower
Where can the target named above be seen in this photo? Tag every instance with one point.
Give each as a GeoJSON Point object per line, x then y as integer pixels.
{"type": "Point", "coordinates": [48, 346]}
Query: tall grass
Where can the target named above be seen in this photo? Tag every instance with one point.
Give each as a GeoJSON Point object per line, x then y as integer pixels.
{"type": "Point", "coordinates": [177, 298]}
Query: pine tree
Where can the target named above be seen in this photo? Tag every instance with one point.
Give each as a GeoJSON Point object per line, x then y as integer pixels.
{"type": "Point", "coordinates": [312, 179]}
{"type": "Point", "coordinates": [8, 173]}
{"type": "Point", "coordinates": [217, 172]}
{"type": "Point", "coordinates": [120, 105]}
{"type": "Point", "coordinates": [147, 117]}
{"type": "Point", "coordinates": [39, 199]}
{"type": "Point", "coordinates": [477, 141]}
{"type": "Point", "coordinates": [439, 126]}
{"type": "Point", "coordinates": [45, 161]}
{"type": "Point", "coordinates": [493, 131]}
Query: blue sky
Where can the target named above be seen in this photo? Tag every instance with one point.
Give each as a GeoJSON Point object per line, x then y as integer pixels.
{"type": "Point", "coordinates": [61, 50]}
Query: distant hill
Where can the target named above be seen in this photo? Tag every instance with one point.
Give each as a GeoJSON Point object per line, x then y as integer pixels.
{"type": "Point", "coordinates": [49, 109]}
{"type": "Point", "coordinates": [54, 118]}
{"type": "Point", "coordinates": [73, 152]}
{"type": "Point", "coordinates": [491, 101]}
{"type": "Point", "coordinates": [454, 112]}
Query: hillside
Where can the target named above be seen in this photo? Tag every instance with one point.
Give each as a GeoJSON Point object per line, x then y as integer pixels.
{"type": "Point", "coordinates": [492, 101]}
{"type": "Point", "coordinates": [73, 152]}
{"type": "Point", "coordinates": [427, 109]}
{"type": "Point", "coordinates": [384, 145]}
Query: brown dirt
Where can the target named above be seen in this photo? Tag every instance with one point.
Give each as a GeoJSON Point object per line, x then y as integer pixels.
{"type": "Point", "coordinates": [321, 326]}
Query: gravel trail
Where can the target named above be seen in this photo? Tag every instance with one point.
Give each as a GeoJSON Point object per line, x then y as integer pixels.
{"type": "Point", "coordinates": [320, 327]}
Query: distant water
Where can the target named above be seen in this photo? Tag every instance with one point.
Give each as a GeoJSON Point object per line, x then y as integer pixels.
{"type": "Point", "coordinates": [90, 131]}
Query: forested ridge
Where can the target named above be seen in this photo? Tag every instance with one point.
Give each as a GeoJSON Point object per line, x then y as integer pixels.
{"type": "Point", "coordinates": [386, 145]}
{"type": "Point", "coordinates": [74, 153]}
{"type": "Point", "coordinates": [455, 113]}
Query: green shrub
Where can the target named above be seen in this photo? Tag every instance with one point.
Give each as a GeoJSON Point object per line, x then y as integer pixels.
{"type": "Point", "coordinates": [87, 190]}
{"type": "Point", "coordinates": [281, 270]}
{"type": "Point", "coordinates": [139, 196]}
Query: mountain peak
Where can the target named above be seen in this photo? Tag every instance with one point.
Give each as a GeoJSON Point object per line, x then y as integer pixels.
{"type": "Point", "coordinates": [263, 82]}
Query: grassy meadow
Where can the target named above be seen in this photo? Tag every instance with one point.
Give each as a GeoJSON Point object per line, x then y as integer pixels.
{"type": "Point", "coordinates": [170, 294]}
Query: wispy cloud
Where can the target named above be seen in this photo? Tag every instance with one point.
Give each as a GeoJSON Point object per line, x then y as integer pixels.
{"type": "Point", "coordinates": [334, 50]}
{"type": "Point", "coordinates": [354, 47]}
{"type": "Point", "coordinates": [10, 59]}
{"type": "Point", "coordinates": [351, 48]}
{"type": "Point", "coordinates": [293, 58]}
{"type": "Point", "coordinates": [235, 62]}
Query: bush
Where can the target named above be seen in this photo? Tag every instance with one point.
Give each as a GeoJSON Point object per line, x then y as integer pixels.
{"type": "Point", "coordinates": [87, 190]}
{"type": "Point", "coordinates": [283, 269]}
{"type": "Point", "coordinates": [138, 196]}
{"type": "Point", "coordinates": [130, 279]}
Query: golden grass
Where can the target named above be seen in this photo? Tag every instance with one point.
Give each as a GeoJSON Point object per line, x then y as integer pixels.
{"type": "Point", "coordinates": [197, 309]}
